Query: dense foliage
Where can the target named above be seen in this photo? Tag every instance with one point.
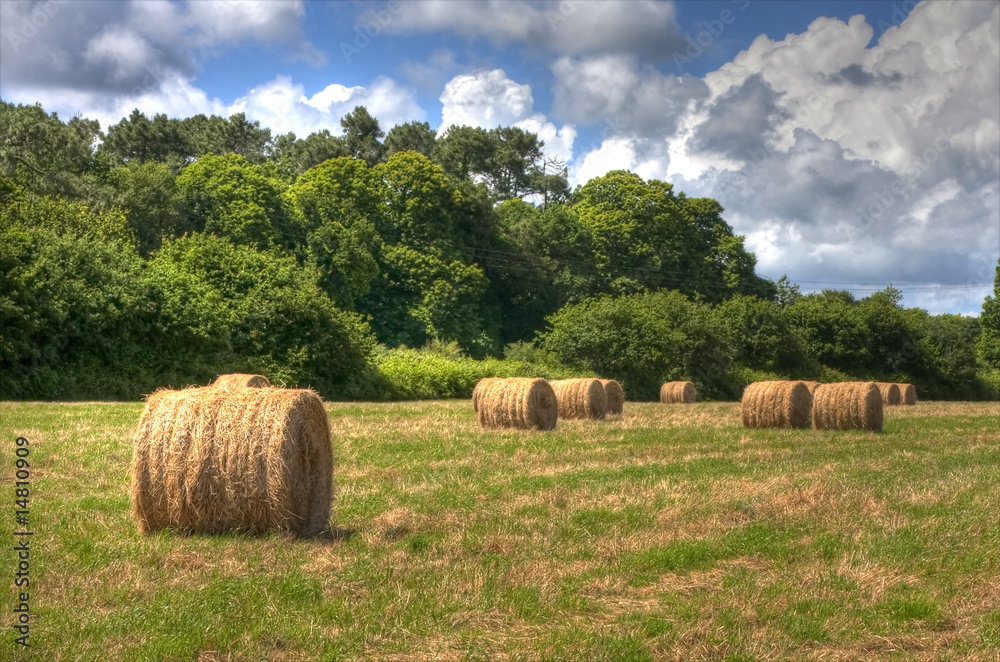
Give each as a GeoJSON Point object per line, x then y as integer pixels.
{"type": "Point", "coordinates": [166, 251]}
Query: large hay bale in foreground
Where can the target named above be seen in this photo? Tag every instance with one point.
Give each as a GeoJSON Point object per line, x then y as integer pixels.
{"type": "Point", "coordinates": [212, 460]}
{"type": "Point", "coordinates": [776, 404]}
{"type": "Point", "coordinates": [848, 406]}
{"type": "Point", "coordinates": [517, 402]}
{"type": "Point", "coordinates": [581, 398]}
{"type": "Point", "coordinates": [673, 392]}
{"type": "Point", "coordinates": [615, 396]}
{"type": "Point", "coordinates": [890, 393]}
{"type": "Point", "coordinates": [908, 394]}
{"type": "Point", "coordinates": [480, 386]}
{"type": "Point", "coordinates": [241, 380]}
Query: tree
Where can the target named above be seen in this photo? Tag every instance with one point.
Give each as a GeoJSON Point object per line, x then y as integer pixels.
{"type": "Point", "coordinates": [988, 345]}
{"type": "Point", "coordinates": [333, 205]}
{"type": "Point", "coordinates": [148, 193]}
{"type": "Point", "coordinates": [410, 137]}
{"type": "Point", "coordinates": [646, 237]}
{"type": "Point", "coordinates": [137, 139]}
{"type": "Point", "coordinates": [297, 156]}
{"type": "Point", "coordinates": [509, 160]}
{"type": "Point", "coordinates": [267, 307]}
{"type": "Point", "coordinates": [428, 287]}
{"type": "Point", "coordinates": [41, 153]}
{"type": "Point", "coordinates": [641, 340]}
{"type": "Point", "coordinates": [229, 197]}
{"type": "Point", "coordinates": [361, 134]}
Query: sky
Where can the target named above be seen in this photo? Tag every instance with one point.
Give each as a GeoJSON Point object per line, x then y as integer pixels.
{"type": "Point", "coordinates": [853, 144]}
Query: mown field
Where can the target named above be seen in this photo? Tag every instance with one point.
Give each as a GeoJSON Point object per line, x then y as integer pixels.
{"type": "Point", "coordinates": [669, 533]}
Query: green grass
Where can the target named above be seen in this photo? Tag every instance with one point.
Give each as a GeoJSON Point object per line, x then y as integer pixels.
{"type": "Point", "coordinates": [668, 533]}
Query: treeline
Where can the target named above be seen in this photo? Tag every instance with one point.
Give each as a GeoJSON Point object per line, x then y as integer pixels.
{"type": "Point", "coordinates": [167, 251]}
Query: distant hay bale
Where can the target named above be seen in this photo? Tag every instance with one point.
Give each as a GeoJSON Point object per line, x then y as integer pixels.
{"type": "Point", "coordinates": [674, 392]}
{"type": "Point", "coordinates": [615, 396]}
{"type": "Point", "coordinates": [580, 398]}
{"type": "Point", "coordinates": [776, 404]}
{"type": "Point", "coordinates": [240, 380]}
{"type": "Point", "coordinates": [251, 459]}
{"type": "Point", "coordinates": [847, 406]}
{"type": "Point", "coordinates": [811, 386]}
{"type": "Point", "coordinates": [517, 402]}
{"type": "Point", "coordinates": [480, 385]}
{"type": "Point", "coordinates": [908, 394]}
{"type": "Point", "coordinates": [890, 393]}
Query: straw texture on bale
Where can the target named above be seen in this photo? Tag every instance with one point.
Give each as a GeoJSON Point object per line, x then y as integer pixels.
{"type": "Point", "coordinates": [890, 393]}
{"type": "Point", "coordinates": [252, 459]}
{"type": "Point", "coordinates": [581, 398]}
{"type": "Point", "coordinates": [672, 392]}
{"type": "Point", "coordinates": [525, 403]}
{"type": "Point", "coordinates": [615, 396]}
{"type": "Point", "coordinates": [240, 380]}
{"type": "Point", "coordinates": [480, 385]}
{"type": "Point", "coordinates": [908, 394]}
{"type": "Point", "coordinates": [847, 406]}
{"type": "Point", "coordinates": [776, 404]}
{"type": "Point", "coordinates": [811, 386]}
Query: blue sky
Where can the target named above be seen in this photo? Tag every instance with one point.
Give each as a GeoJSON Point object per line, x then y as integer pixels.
{"type": "Point", "coordinates": [854, 144]}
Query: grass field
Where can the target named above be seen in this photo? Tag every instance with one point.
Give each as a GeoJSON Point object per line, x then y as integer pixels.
{"type": "Point", "coordinates": [669, 533]}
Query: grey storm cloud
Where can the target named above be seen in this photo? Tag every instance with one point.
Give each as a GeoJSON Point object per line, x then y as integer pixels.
{"type": "Point", "coordinates": [567, 27]}
{"type": "Point", "coordinates": [740, 120]}
{"type": "Point", "coordinates": [120, 48]}
{"type": "Point", "coordinates": [836, 218]}
{"type": "Point", "coordinates": [50, 44]}
{"type": "Point", "coordinates": [856, 75]}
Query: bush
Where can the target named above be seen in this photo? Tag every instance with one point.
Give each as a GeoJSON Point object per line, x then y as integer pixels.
{"type": "Point", "coordinates": [409, 374]}
{"type": "Point", "coordinates": [643, 340]}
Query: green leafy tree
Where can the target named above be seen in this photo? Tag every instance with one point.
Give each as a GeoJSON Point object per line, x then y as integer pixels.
{"type": "Point", "coordinates": [44, 155]}
{"type": "Point", "coordinates": [834, 332]}
{"type": "Point", "coordinates": [361, 136]}
{"type": "Point", "coordinates": [988, 345]}
{"type": "Point", "coordinates": [645, 237]}
{"type": "Point", "coordinates": [297, 156]}
{"type": "Point", "coordinates": [642, 340]}
{"type": "Point", "coordinates": [333, 206]}
{"type": "Point", "coordinates": [410, 137]}
{"type": "Point", "coordinates": [229, 197]}
{"type": "Point", "coordinates": [762, 337]}
{"type": "Point", "coordinates": [269, 308]}
{"type": "Point", "coordinates": [509, 160]}
{"type": "Point", "coordinates": [429, 287]}
{"type": "Point", "coordinates": [137, 139]}
{"type": "Point", "coordinates": [152, 202]}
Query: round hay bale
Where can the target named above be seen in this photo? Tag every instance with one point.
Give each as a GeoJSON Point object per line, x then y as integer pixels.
{"type": "Point", "coordinates": [525, 403]}
{"type": "Point", "coordinates": [776, 404]}
{"type": "Point", "coordinates": [480, 385]}
{"type": "Point", "coordinates": [890, 393]}
{"type": "Point", "coordinates": [848, 406]}
{"type": "Point", "coordinates": [253, 459]}
{"type": "Point", "coordinates": [615, 396]}
{"type": "Point", "coordinates": [811, 386]}
{"type": "Point", "coordinates": [581, 398]}
{"type": "Point", "coordinates": [673, 392]}
{"type": "Point", "coordinates": [908, 394]}
{"type": "Point", "coordinates": [241, 380]}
